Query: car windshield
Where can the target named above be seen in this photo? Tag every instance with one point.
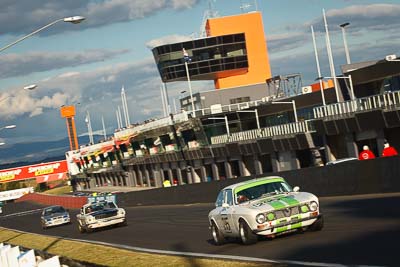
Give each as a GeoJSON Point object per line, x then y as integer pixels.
{"type": "Point", "coordinates": [99, 206]}
{"type": "Point", "coordinates": [262, 190]}
{"type": "Point", "coordinates": [51, 210]}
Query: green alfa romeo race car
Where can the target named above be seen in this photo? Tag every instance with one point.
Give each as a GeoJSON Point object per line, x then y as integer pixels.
{"type": "Point", "coordinates": [262, 207]}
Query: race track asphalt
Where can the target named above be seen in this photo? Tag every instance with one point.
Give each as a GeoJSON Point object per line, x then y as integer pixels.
{"type": "Point", "coordinates": [359, 230]}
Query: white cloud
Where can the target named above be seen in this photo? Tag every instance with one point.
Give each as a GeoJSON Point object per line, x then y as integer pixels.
{"type": "Point", "coordinates": [66, 75]}
{"type": "Point", "coordinates": [12, 65]}
{"type": "Point", "coordinates": [99, 13]}
{"type": "Point", "coordinates": [372, 19]}
{"type": "Point", "coordinates": [170, 39]}
{"type": "Point", "coordinates": [287, 41]}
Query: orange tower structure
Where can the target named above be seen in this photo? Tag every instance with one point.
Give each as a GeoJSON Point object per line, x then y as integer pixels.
{"type": "Point", "coordinates": [251, 25]}
{"type": "Point", "coordinates": [68, 112]}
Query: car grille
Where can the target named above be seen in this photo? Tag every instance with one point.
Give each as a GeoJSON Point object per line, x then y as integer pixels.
{"type": "Point", "coordinates": [106, 215]}
{"type": "Point", "coordinates": [287, 212]}
{"type": "Point", "coordinates": [57, 218]}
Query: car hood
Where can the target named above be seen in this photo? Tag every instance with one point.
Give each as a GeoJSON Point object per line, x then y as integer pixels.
{"type": "Point", "coordinates": [104, 211]}
{"type": "Point", "coordinates": [281, 201]}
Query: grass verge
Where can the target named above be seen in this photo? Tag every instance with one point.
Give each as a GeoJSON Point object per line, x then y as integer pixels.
{"type": "Point", "coordinates": [62, 190]}
{"type": "Point", "coordinates": [107, 256]}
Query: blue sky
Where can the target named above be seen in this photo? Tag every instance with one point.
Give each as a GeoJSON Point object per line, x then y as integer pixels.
{"type": "Point", "coordinates": [90, 62]}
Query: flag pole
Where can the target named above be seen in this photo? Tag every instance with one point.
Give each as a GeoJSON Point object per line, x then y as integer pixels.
{"type": "Point", "coordinates": [187, 58]}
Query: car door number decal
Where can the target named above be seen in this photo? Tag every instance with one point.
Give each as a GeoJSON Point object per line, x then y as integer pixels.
{"type": "Point", "coordinates": [225, 221]}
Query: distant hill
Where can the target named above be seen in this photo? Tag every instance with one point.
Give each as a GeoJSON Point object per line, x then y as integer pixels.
{"type": "Point", "coordinates": [36, 152]}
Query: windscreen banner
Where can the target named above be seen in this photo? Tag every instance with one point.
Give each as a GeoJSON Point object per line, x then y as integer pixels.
{"type": "Point", "coordinates": [43, 172]}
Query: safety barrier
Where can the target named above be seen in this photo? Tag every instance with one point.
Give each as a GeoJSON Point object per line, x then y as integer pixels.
{"type": "Point", "coordinates": [70, 202]}
{"type": "Point", "coordinates": [379, 175]}
{"type": "Point", "coordinates": [387, 101]}
{"type": "Point", "coordinates": [278, 130]}
{"type": "Point", "coordinates": [12, 256]}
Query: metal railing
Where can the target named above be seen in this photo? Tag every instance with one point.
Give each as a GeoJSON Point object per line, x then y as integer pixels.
{"type": "Point", "coordinates": [387, 101]}
{"type": "Point", "coordinates": [234, 107]}
{"type": "Point", "coordinates": [154, 124]}
{"type": "Point", "coordinates": [278, 130]}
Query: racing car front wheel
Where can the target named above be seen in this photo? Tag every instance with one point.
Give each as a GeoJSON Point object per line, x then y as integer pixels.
{"type": "Point", "coordinates": [81, 229]}
{"type": "Point", "coordinates": [246, 235]}
{"type": "Point", "coordinates": [318, 224]}
{"type": "Point", "coordinates": [219, 239]}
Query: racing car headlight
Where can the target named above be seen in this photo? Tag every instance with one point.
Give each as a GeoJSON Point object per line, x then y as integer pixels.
{"type": "Point", "coordinates": [260, 218]}
{"type": "Point", "coordinates": [270, 216]}
{"type": "Point", "coordinates": [90, 218]}
{"type": "Point", "coordinates": [313, 206]}
{"type": "Point", "coordinates": [121, 212]}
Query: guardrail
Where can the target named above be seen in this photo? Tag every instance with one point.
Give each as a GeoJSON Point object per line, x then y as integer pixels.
{"type": "Point", "coordinates": [278, 130]}
{"type": "Point", "coordinates": [387, 101]}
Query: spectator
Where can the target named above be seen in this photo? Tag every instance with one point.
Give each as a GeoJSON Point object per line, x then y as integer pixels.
{"type": "Point", "coordinates": [167, 183]}
{"type": "Point", "coordinates": [366, 154]}
{"type": "Point", "coordinates": [388, 150]}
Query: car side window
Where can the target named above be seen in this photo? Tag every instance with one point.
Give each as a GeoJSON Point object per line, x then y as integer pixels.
{"type": "Point", "coordinates": [220, 199]}
{"type": "Point", "coordinates": [228, 197]}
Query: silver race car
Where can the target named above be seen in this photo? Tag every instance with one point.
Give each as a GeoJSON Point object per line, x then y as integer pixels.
{"type": "Point", "coordinates": [100, 214]}
{"type": "Point", "coordinates": [265, 206]}
{"type": "Point", "coordinates": [53, 216]}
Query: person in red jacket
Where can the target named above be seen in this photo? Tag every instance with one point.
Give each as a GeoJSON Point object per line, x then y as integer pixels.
{"type": "Point", "coordinates": [389, 151]}
{"type": "Point", "coordinates": [366, 154]}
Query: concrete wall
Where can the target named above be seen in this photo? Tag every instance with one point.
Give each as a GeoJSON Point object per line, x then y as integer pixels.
{"type": "Point", "coordinates": [69, 202]}
{"type": "Point", "coordinates": [349, 178]}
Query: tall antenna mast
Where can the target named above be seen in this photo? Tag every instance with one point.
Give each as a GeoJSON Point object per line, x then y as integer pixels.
{"type": "Point", "coordinates": [245, 5]}
{"type": "Point", "coordinates": [209, 13]}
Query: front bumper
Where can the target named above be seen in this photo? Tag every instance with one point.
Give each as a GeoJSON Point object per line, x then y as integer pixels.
{"type": "Point", "coordinates": [285, 224]}
{"type": "Point", "coordinates": [56, 222]}
{"type": "Point", "coordinates": [105, 222]}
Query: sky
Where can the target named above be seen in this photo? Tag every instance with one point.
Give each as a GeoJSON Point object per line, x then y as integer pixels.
{"type": "Point", "coordinates": [87, 64]}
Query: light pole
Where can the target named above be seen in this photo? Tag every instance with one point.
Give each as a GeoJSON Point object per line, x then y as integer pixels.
{"type": "Point", "coordinates": [352, 96]}
{"type": "Point", "coordinates": [392, 58]}
{"type": "Point", "coordinates": [28, 88]}
{"type": "Point", "coordinates": [89, 125]}
{"type": "Point", "coordinates": [226, 123]}
{"type": "Point", "coordinates": [293, 103]}
{"type": "Point", "coordinates": [12, 126]}
{"type": "Point", "coordinates": [346, 49]}
{"type": "Point", "coordinates": [251, 111]}
{"type": "Point", "coordinates": [186, 59]}
{"type": "Point", "coordinates": [74, 20]}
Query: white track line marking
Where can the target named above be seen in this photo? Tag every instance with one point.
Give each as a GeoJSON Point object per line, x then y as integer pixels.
{"type": "Point", "coordinates": [205, 255]}
{"type": "Point", "coordinates": [214, 256]}
{"type": "Point", "coordinates": [22, 213]}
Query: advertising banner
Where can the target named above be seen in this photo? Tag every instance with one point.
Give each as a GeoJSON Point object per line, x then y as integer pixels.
{"type": "Point", "coordinates": [14, 194]}
{"type": "Point", "coordinates": [33, 171]}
